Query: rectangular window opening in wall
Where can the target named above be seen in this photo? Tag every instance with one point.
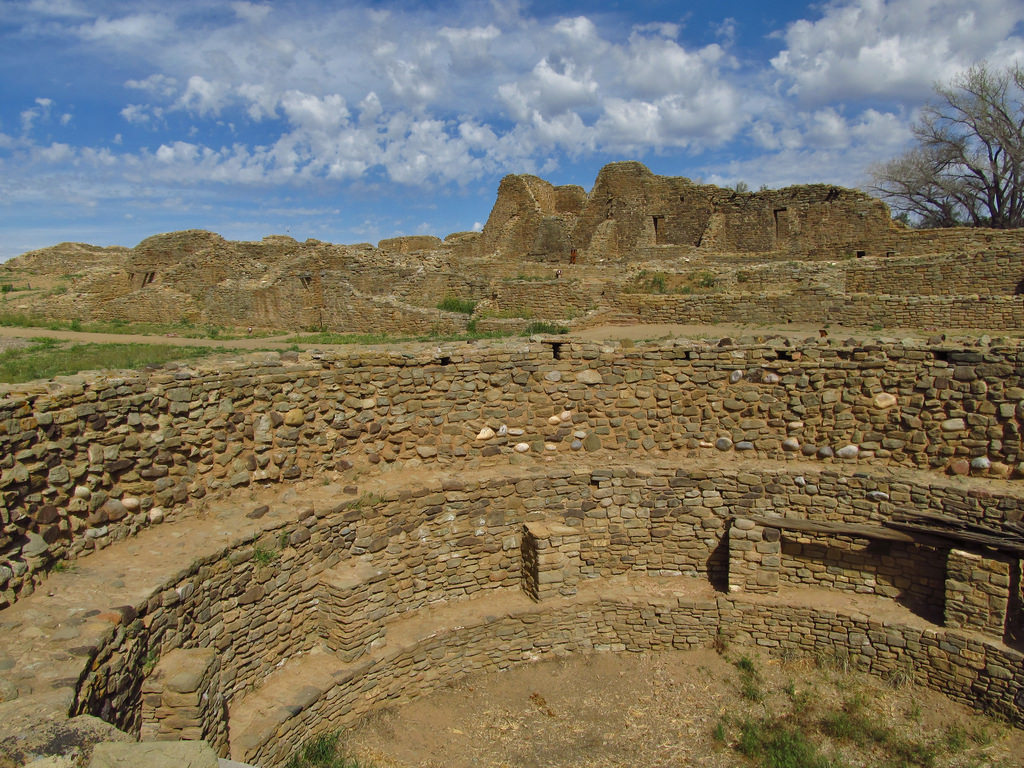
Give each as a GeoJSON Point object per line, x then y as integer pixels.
{"type": "Point", "coordinates": [148, 278]}
{"type": "Point", "coordinates": [861, 254]}
{"type": "Point", "coordinates": [556, 350]}
{"type": "Point", "coordinates": [306, 280]}
{"type": "Point", "coordinates": [778, 224]}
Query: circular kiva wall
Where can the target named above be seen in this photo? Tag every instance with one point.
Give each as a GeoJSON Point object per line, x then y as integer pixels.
{"type": "Point", "coordinates": [572, 497]}
{"type": "Point", "coordinates": [380, 599]}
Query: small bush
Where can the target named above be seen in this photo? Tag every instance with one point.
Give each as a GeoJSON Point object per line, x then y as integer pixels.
{"type": "Point", "coordinates": [322, 752]}
{"type": "Point", "coordinates": [542, 327]}
{"type": "Point", "coordinates": [455, 304]}
{"type": "Point", "coordinates": [264, 555]}
{"type": "Point", "coordinates": [706, 280]}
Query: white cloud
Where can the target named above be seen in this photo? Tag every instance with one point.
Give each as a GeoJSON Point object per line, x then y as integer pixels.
{"type": "Point", "coordinates": [40, 112]}
{"type": "Point", "coordinates": [158, 84]}
{"type": "Point", "coordinates": [204, 97]}
{"type": "Point", "coordinates": [253, 13]}
{"type": "Point", "coordinates": [313, 113]}
{"type": "Point", "coordinates": [894, 48]}
{"type": "Point", "coordinates": [136, 113]}
{"type": "Point", "coordinates": [140, 27]}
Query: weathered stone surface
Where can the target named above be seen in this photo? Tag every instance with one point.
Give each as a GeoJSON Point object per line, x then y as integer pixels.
{"type": "Point", "coordinates": [884, 400]}
{"type": "Point", "coordinates": [167, 754]}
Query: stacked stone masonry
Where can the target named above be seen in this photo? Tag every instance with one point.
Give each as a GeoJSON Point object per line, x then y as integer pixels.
{"type": "Point", "coordinates": [847, 261]}
{"type": "Point", "coordinates": [182, 699]}
{"type": "Point", "coordinates": [978, 593]}
{"type": "Point", "coordinates": [467, 536]}
{"type": "Point", "coordinates": [352, 608]}
{"type": "Point", "coordinates": [87, 464]}
{"type": "Point", "coordinates": [550, 559]}
{"type": "Point", "coordinates": [358, 585]}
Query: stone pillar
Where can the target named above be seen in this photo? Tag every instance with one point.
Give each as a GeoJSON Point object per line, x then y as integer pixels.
{"type": "Point", "coordinates": [352, 606]}
{"type": "Point", "coordinates": [551, 559]}
{"type": "Point", "coordinates": [182, 700]}
{"type": "Point", "coordinates": [753, 556]}
{"type": "Point", "coordinates": [977, 592]}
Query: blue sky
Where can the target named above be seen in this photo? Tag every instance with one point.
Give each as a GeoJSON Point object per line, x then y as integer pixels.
{"type": "Point", "coordinates": [354, 121]}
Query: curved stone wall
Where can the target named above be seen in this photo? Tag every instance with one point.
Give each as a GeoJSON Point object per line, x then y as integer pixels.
{"type": "Point", "coordinates": [448, 602]}
{"type": "Point", "coordinates": [625, 489]}
{"type": "Point", "coordinates": [88, 463]}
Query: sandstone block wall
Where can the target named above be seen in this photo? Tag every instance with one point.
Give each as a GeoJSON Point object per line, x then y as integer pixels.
{"type": "Point", "coordinates": [550, 559]}
{"type": "Point", "coordinates": [977, 591]}
{"type": "Point", "coordinates": [819, 305]}
{"type": "Point", "coordinates": [182, 699]}
{"type": "Point", "coordinates": [460, 541]}
{"type": "Point", "coordinates": [352, 608]}
{"type": "Point", "coordinates": [86, 464]}
{"type": "Point", "coordinates": [754, 561]}
{"type": "Point", "coordinates": [983, 274]}
{"type": "Point", "coordinates": [911, 574]}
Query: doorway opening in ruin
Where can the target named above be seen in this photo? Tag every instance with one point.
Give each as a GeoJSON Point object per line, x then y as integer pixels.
{"type": "Point", "coordinates": [778, 223]}
{"type": "Point", "coordinates": [657, 229]}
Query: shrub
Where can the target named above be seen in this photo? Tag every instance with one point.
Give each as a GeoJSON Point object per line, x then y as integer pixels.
{"type": "Point", "coordinates": [455, 304]}
{"type": "Point", "coordinates": [542, 327]}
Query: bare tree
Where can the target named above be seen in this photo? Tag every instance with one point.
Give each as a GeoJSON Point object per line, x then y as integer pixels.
{"type": "Point", "coordinates": [968, 165]}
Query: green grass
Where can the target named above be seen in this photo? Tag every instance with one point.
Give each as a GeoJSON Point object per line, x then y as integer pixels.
{"type": "Point", "coordinates": [796, 731]}
{"type": "Point", "coordinates": [777, 745]}
{"type": "Point", "coordinates": [185, 329]}
{"type": "Point", "coordinates": [49, 357]}
{"type": "Point", "coordinates": [471, 333]}
{"type": "Point", "coordinates": [265, 555]}
{"type": "Point", "coordinates": [323, 752]}
{"type": "Point", "coordinates": [542, 327]}
{"type": "Point", "coordinates": [455, 304]}
{"type": "Point", "coordinates": [750, 680]}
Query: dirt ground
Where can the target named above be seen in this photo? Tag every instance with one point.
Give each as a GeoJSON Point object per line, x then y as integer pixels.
{"type": "Point", "coordinates": [640, 332]}
{"type": "Point", "coordinates": [606, 710]}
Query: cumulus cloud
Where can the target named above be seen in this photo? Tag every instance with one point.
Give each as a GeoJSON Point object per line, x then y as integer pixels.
{"type": "Point", "coordinates": [894, 48]}
{"type": "Point", "coordinates": [241, 92]}
{"type": "Point", "coordinates": [204, 97]}
{"type": "Point", "coordinates": [40, 112]}
{"type": "Point", "coordinates": [126, 29]}
{"type": "Point", "coordinates": [251, 12]}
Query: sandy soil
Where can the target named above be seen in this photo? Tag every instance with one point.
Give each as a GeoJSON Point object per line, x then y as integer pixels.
{"type": "Point", "coordinates": [607, 710]}
{"type": "Point", "coordinates": [640, 332]}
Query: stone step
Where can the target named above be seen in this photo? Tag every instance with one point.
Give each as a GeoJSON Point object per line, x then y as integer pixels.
{"type": "Point", "coordinates": [256, 717]}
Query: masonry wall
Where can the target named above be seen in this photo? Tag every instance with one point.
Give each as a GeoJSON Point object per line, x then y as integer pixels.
{"type": "Point", "coordinates": [983, 274]}
{"type": "Point", "coordinates": [257, 611]}
{"type": "Point", "coordinates": [89, 463]}
{"type": "Point", "coordinates": [257, 602]}
{"type": "Point", "coordinates": [912, 575]}
{"type": "Point", "coordinates": [820, 305]}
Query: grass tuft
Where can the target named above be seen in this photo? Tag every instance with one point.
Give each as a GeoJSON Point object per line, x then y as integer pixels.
{"type": "Point", "coordinates": [324, 751]}
{"type": "Point", "coordinates": [47, 358]}
{"type": "Point", "coordinates": [455, 304]}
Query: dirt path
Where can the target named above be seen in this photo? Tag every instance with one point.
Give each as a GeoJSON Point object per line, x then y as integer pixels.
{"type": "Point", "coordinates": [641, 332]}
{"type": "Point", "coordinates": [265, 342]}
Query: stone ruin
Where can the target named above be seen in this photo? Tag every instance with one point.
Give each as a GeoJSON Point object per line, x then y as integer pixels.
{"type": "Point", "coordinates": [649, 249]}
{"type": "Point", "coordinates": [256, 553]}
{"type": "Point", "coordinates": [252, 553]}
